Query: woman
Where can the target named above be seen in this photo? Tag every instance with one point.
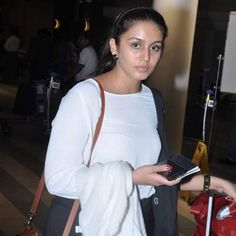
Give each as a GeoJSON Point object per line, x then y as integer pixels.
{"type": "Point", "coordinates": [128, 134]}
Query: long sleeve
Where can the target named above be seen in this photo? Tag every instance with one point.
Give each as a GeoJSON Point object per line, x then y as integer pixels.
{"type": "Point", "coordinates": [70, 141]}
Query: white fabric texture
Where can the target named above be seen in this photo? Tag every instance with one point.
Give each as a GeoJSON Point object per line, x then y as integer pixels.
{"type": "Point", "coordinates": [126, 135]}
{"type": "Point", "coordinates": [109, 203]}
{"type": "Point", "coordinates": [88, 58]}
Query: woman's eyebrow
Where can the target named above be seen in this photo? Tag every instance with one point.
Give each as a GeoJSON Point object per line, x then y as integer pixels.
{"type": "Point", "coordinates": [139, 39]}
{"type": "Point", "coordinates": [136, 38]}
{"type": "Point", "coordinates": [159, 41]}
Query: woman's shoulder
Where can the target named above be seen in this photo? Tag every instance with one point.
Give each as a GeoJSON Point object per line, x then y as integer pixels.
{"type": "Point", "coordinates": [153, 91]}
{"type": "Point", "coordinates": [88, 87]}
{"type": "Point", "coordinates": [86, 91]}
{"type": "Point", "coordinates": [150, 91]}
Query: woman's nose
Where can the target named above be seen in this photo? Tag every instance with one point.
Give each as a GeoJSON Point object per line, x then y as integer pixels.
{"type": "Point", "coordinates": [146, 55]}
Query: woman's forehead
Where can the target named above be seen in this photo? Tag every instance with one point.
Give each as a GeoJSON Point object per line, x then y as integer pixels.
{"type": "Point", "coordinates": [144, 29]}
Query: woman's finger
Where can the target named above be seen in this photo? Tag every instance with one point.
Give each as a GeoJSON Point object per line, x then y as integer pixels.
{"type": "Point", "coordinates": [162, 167]}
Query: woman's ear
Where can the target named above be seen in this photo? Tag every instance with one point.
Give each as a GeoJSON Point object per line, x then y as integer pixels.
{"type": "Point", "coordinates": [113, 46]}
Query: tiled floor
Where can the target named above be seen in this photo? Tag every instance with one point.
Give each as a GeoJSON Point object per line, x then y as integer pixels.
{"type": "Point", "coordinates": [21, 163]}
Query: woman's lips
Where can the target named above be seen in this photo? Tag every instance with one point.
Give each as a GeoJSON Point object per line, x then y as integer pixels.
{"type": "Point", "coordinates": [142, 69]}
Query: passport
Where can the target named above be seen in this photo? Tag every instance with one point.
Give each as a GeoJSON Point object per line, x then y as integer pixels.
{"type": "Point", "coordinates": [181, 167]}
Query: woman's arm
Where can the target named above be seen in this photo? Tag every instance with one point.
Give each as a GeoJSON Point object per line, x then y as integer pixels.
{"type": "Point", "coordinates": [148, 175]}
{"type": "Point", "coordinates": [196, 183]}
{"type": "Point", "coordinates": [70, 142]}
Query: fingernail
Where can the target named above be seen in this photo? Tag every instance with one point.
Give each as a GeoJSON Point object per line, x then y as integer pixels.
{"type": "Point", "coordinates": [168, 167]}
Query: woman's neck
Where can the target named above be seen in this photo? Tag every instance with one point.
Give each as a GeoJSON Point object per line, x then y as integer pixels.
{"type": "Point", "coordinates": [114, 83]}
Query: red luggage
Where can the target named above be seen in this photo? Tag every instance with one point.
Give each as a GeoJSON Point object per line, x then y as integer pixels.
{"type": "Point", "coordinates": [215, 215]}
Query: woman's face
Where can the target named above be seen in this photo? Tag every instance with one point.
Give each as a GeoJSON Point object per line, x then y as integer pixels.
{"type": "Point", "coordinates": [139, 50]}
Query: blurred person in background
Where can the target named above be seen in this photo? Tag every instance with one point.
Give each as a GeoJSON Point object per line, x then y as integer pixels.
{"type": "Point", "coordinates": [88, 60]}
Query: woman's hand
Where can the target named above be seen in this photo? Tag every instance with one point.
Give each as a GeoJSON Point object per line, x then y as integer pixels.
{"type": "Point", "coordinates": [148, 175]}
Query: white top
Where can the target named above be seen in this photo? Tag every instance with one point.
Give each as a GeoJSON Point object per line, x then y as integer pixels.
{"type": "Point", "coordinates": [128, 133]}
{"type": "Point", "coordinates": [88, 58]}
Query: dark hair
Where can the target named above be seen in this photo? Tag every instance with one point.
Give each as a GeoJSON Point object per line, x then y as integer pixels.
{"type": "Point", "coordinates": [122, 23]}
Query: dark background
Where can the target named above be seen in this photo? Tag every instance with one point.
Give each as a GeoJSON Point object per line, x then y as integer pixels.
{"type": "Point", "coordinates": [209, 40]}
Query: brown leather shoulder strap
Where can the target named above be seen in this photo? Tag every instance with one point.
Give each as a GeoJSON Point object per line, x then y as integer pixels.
{"type": "Point", "coordinates": [76, 204]}
{"type": "Point", "coordinates": [71, 218]}
{"type": "Point", "coordinates": [38, 195]}
{"type": "Point", "coordinates": [100, 120]}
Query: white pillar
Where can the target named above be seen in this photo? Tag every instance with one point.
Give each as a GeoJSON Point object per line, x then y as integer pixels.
{"type": "Point", "coordinates": [172, 74]}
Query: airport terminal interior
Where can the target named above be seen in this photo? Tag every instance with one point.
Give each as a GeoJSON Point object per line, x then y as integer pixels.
{"type": "Point", "coordinates": [24, 133]}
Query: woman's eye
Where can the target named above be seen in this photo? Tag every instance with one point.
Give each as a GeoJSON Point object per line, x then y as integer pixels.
{"type": "Point", "coordinates": [156, 48]}
{"type": "Point", "coordinates": [135, 45]}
